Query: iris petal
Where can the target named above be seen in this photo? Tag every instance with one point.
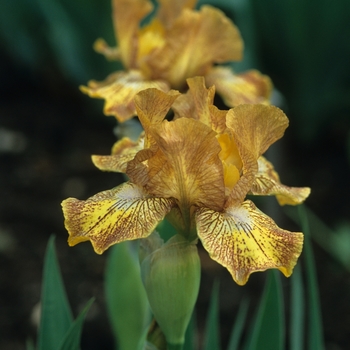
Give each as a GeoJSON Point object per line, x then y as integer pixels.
{"type": "Point", "coordinates": [123, 152]}
{"type": "Point", "coordinates": [194, 42]}
{"type": "Point", "coordinates": [245, 240]}
{"type": "Point", "coordinates": [267, 183]}
{"type": "Point", "coordinates": [119, 89]}
{"type": "Point", "coordinates": [235, 89]}
{"type": "Point", "coordinates": [124, 213]}
{"type": "Point", "coordinates": [187, 166]}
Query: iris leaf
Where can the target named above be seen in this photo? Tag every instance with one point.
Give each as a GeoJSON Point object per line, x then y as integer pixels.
{"type": "Point", "coordinates": [269, 328]}
{"type": "Point", "coordinates": [315, 331]}
{"type": "Point", "coordinates": [72, 338]}
{"type": "Point", "coordinates": [212, 337]}
{"type": "Point", "coordinates": [56, 316]}
{"type": "Point", "coordinates": [238, 326]}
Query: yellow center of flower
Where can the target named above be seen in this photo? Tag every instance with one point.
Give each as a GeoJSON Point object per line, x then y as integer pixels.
{"type": "Point", "coordinates": [231, 160]}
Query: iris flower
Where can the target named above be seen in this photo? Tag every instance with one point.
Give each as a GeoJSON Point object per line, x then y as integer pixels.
{"type": "Point", "coordinates": [178, 43]}
{"type": "Point", "coordinates": [196, 170]}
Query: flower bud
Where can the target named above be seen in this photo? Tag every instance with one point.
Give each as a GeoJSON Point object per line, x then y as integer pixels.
{"type": "Point", "coordinates": [171, 276]}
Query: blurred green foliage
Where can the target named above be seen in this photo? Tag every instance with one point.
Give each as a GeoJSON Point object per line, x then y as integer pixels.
{"type": "Point", "coordinates": [58, 34]}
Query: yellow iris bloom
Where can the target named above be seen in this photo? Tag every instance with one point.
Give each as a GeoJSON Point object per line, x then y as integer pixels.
{"type": "Point", "coordinates": [197, 170]}
{"type": "Point", "coordinates": [177, 44]}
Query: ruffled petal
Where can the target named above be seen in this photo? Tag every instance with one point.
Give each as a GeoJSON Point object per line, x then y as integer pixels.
{"type": "Point", "coordinates": [254, 129]}
{"type": "Point", "coordinates": [187, 166]}
{"type": "Point", "coordinates": [123, 152]}
{"type": "Point", "coordinates": [124, 213]}
{"type": "Point", "coordinates": [196, 102]}
{"type": "Point", "coordinates": [152, 106]}
{"type": "Point", "coordinates": [127, 15]}
{"type": "Point", "coordinates": [194, 43]}
{"type": "Point", "coordinates": [169, 10]}
{"type": "Point", "coordinates": [119, 90]}
{"type": "Point", "coordinates": [245, 240]}
{"type": "Point", "coordinates": [267, 183]}
{"type": "Point", "coordinates": [256, 126]}
{"type": "Point", "coordinates": [236, 89]}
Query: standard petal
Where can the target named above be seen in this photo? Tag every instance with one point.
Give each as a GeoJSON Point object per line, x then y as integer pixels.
{"type": "Point", "coordinates": [123, 152]}
{"type": "Point", "coordinates": [196, 102]}
{"type": "Point", "coordinates": [267, 183]}
{"type": "Point", "coordinates": [187, 166]}
{"type": "Point", "coordinates": [169, 10]}
{"type": "Point", "coordinates": [119, 90]}
{"type": "Point", "coordinates": [109, 217]}
{"type": "Point", "coordinates": [254, 129]}
{"type": "Point", "coordinates": [256, 126]}
{"type": "Point", "coordinates": [152, 105]}
{"type": "Point", "coordinates": [236, 89]}
{"type": "Point", "coordinates": [245, 240]}
{"type": "Point", "coordinates": [195, 42]}
{"type": "Point", "coordinates": [127, 15]}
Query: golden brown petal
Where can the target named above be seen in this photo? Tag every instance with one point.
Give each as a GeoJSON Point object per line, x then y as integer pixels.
{"type": "Point", "coordinates": [256, 126]}
{"type": "Point", "coordinates": [152, 105]}
{"type": "Point", "coordinates": [218, 119]}
{"type": "Point", "coordinates": [119, 90]}
{"type": "Point", "coordinates": [245, 240]}
{"type": "Point", "coordinates": [187, 166]}
{"type": "Point", "coordinates": [195, 42]}
{"type": "Point", "coordinates": [169, 10]}
{"type": "Point", "coordinates": [123, 152]}
{"type": "Point", "coordinates": [267, 183]}
{"type": "Point", "coordinates": [127, 15]}
{"type": "Point", "coordinates": [196, 102]}
{"type": "Point", "coordinates": [254, 129]}
{"type": "Point", "coordinates": [109, 217]}
{"type": "Point", "coordinates": [236, 89]}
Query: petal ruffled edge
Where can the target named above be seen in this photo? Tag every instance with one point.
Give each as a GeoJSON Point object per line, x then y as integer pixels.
{"type": "Point", "coordinates": [119, 89]}
{"type": "Point", "coordinates": [127, 15]}
{"type": "Point", "coordinates": [123, 152]}
{"type": "Point", "coordinates": [245, 240]}
{"type": "Point", "coordinates": [123, 213]}
{"type": "Point", "coordinates": [236, 89]}
{"type": "Point", "coordinates": [195, 41]}
{"type": "Point", "coordinates": [267, 183]}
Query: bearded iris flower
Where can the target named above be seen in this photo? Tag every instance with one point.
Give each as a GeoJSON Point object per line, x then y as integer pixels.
{"type": "Point", "coordinates": [178, 43]}
{"type": "Point", "coordinates": [196, 170]}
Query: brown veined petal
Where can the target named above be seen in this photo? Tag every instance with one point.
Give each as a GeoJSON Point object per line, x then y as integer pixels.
{"type": "Point", "coordinates": [124, 213]}
{"type": "Point", "coordinates": [169, 10]}
{"type": "Point", "coordinates": [123, 152]}
{"type": "Point", "coordinates": [256, 127]}
{"type": "Point", "coordinates": [187, 166]}
{"type": "Point", "coordinates": [127, 15]}
{"type": "Point", "coordinates": [267, 183]}
{"type": "Point", "coordinates": [152, 105]}
{"type": "Point", "coordinates": [218, 119]}
{"type": "Point", "coordinates": [236, 89]}
{"type": "Point", "coordinates": [245, 240]}
{"type": "Point", "coordinates": [196, 102]}
{"type": "Point", "coordinates": [118, 90]}
{"type": "Point", "coordinates": [195, 42]}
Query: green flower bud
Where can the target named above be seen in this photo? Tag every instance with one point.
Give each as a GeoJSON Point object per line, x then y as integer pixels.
{"type": "Point", "coordinates": [171, 276]}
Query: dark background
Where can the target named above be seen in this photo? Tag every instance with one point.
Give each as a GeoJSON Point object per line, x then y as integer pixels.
{"type": "Point", "coordinates": [48, 130]}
